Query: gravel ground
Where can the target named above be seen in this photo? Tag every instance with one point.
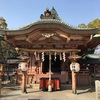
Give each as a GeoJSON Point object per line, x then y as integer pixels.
{"type": "Point", "coordinates": [5, 90]}
{"type": "Point", "coordinates": [7, 87]}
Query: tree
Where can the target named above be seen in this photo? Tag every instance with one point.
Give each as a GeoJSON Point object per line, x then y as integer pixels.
{"type": "Point", "coordinates": [95, 23]}
{"type": "Point", "coordinates": [3, 24]}
{"type": "Point", "coordinates": [6, 52]}
{"type": "Point", "coordinates": [82, 25]}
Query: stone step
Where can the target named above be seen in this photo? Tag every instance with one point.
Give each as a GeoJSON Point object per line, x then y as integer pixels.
{"type": "Point", "coordinates": [34, 86]}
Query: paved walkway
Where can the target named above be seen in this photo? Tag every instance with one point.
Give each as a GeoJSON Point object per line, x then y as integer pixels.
{"type": "Point", "coordinates": [83, 93]}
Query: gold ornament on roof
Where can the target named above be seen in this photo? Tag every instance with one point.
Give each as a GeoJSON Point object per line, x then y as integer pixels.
{"type": "Point", "coordinates": [47, 8]}
{"type": "Point", "coordinates": [3, 23]}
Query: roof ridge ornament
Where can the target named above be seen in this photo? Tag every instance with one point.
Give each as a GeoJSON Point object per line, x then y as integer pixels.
{"type": "Point", "coordinates": [3, 24]}
{"type": "Point", "coordinates": [50, 14]}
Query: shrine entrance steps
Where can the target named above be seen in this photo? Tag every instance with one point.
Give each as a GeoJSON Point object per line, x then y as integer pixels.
{"type": "Point", "coordinates": [63, 86]}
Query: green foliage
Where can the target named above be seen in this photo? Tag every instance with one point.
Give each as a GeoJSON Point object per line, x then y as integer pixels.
{"type": "Point", "coordinates": [95, 23]}
{"type": "Point", "coordinates": [3, 24]}
{"type": "Point", "coordinates": [6, 51]}
{"type": "Point", "coordinates": [82, 25]}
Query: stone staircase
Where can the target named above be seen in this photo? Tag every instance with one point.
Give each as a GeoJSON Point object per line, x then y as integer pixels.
{"type": "Point", "coordinates": [34, 86]}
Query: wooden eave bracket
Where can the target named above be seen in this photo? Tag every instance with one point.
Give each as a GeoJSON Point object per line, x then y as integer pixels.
{"type": "Point", "coordinates": [9, 42]}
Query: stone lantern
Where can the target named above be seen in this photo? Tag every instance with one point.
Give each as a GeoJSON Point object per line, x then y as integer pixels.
{"type": "Point", "coordinates": [23, 66]}
{"type": "Point", "coordinates": [74, 67]}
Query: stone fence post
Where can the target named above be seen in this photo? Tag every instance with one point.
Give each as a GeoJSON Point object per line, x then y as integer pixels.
{"type": "Point", "coordinates": [97, 88]}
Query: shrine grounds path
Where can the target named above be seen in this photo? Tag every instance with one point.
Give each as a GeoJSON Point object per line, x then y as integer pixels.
{"type": "Point", "coordinates": [14, 93]}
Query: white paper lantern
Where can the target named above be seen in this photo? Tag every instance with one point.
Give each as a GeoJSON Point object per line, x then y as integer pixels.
{"type": "Point", "coordinates": [23, 66]}
{"type": "Point", "coordinates": [74, 66]}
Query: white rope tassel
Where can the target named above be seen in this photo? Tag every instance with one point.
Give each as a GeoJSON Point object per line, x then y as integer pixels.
{"type": "Point", "coordinates": [64, 58]}
{"type": "Point", "coordinates": [42, 56]}
{"type": "Point", "coordinates": [35, 54]}
{"type": "Point", "coordinates": [55, 56]}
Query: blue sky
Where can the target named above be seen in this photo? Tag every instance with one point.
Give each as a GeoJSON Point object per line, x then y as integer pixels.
{"type": "Point", "coordinates": [18, 13]}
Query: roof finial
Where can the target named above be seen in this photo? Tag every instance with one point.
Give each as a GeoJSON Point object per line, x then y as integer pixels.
{"type": "Point", "coordinates": [3, 24]}
{"type": "Point", "coordinates": [47, 9]}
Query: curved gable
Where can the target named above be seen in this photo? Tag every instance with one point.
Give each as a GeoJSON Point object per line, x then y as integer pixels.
{"type": "Point", "coordinates": [49, 33]}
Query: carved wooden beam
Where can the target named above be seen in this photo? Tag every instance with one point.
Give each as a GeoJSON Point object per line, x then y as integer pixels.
{"type": "Point", "coordinates": [50, 50]}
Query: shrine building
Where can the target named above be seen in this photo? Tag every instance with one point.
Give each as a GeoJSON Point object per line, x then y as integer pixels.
{"type": "Point", "coordinates": [50, 38]}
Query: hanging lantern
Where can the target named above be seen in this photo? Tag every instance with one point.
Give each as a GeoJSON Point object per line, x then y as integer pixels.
{"type": "Point", "coordinates": [23, 66]}
{"type": "Point", "coordinates": [74, 66]}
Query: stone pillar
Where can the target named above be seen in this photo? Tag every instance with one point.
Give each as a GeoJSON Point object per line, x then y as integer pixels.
{"type": "Point", "coordinates": [97, 88]}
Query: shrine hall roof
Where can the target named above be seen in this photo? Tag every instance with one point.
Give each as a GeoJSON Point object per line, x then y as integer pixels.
{"type": "Point", "coordinates": [35, 34]}
{"type": "Point", "coordinates": [50, 18]}
{"type": "Point", "coordinates": [49, 21]}
{"type": "Point", "coordinates": [52, 21]}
